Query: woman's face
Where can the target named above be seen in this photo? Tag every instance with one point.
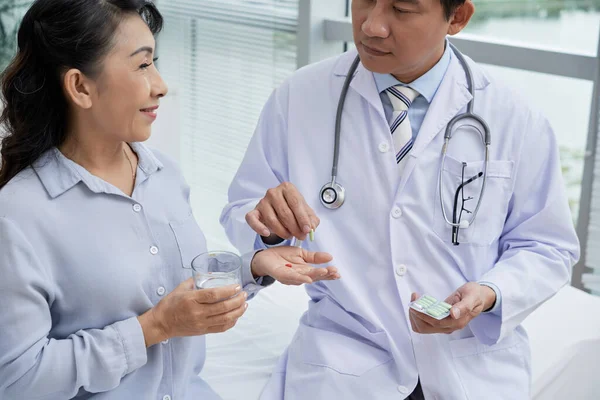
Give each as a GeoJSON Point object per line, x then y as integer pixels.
{"type": "Point", "coordinates": [126, 92]}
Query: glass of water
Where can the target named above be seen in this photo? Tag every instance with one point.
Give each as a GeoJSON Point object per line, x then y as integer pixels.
{"type": "Point", "coordinates": [216, 269]}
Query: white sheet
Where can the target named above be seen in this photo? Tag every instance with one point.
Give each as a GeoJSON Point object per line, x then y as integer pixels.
{"type": "Point", "coordinates": [565, 345]}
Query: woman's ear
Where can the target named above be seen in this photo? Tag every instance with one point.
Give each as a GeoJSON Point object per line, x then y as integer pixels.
{"type": "Point", "coordinates": [78, 88]}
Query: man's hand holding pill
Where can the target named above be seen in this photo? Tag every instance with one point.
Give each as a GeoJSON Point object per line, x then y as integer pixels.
{"type": "Point", "coordinates": [467, 302]}
{"type": "Point", "coordinates": [283, 213]}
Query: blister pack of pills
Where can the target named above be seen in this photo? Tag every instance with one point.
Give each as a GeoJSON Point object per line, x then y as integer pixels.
{"type": "Point", "coordinates": [431, 306]}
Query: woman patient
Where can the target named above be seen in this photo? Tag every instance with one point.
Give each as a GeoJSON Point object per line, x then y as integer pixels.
{"type": "Point", "coordinates": [96, 228]}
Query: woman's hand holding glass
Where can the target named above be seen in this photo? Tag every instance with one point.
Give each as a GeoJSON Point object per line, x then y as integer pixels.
{"type": "Point", "coordinates": [189, 312]}
{"type": "Point", "coordinates": [291, 265]}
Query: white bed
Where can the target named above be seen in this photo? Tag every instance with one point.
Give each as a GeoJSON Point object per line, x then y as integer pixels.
{"type": "Point", "coordinates": [565, 345]}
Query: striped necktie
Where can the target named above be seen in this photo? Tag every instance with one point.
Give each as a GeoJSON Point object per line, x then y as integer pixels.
{"type": "Point", "coordinates": [401, 98]}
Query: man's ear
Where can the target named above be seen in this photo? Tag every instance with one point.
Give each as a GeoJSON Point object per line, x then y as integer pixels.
{"type": "Point", "coordinates": [461, 17]}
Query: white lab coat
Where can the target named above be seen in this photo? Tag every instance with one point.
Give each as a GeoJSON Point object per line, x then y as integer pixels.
{"type": "Point", "coordinates": [389, 239]}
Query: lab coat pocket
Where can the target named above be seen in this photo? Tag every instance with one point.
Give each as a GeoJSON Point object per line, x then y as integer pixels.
{"type": "Point", "coordinates": [459, 205]}
{"type": "Point", "coordinates": [344, 354]}
{"type": "Point", "coordinates": [492, 372]}
{"type": "Point", "coordinates": [190, 240]}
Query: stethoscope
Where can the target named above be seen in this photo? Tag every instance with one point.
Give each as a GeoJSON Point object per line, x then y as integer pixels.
{"type": "Point", "coordinates": [333, 194]}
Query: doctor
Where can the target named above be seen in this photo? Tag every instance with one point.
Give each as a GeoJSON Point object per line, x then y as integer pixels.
{"type": "Point", "coordinates": [495, 239]}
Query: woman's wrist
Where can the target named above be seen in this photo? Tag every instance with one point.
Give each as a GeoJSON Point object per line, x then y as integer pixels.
{"type": "Point", "coordinates": [255, 266]}
{"type": "Point", "coordinates": [154, 330]}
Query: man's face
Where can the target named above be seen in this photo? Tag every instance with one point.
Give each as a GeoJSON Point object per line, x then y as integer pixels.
{"type": "Point", "coordinates": [399, 37]}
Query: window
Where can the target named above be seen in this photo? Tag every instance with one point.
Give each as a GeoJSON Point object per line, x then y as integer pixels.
{"type": "Point", "coordinates": [222, 59]}
{"type": "Point", "coordinates": [564, 25]}
{"type": "Point", "coordinates": [544, 92]}
{"type": "Point", "coordinates": [11, 12]}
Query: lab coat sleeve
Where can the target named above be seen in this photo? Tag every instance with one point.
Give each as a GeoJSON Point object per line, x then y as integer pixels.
{"type": "Point", "coordinates": [264, 166]}
{"type": "Point", "coordinates": [539, 245]}
{"type": "Point", "coordinates": [32, 365]}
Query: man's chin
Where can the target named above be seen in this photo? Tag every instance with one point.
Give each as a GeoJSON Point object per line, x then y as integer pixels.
{"type": "Point", "coordinates": [375, 66]}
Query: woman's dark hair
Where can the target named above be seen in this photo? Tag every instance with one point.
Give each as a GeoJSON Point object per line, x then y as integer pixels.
{"type": "Point", "coordinates": [55, 36]}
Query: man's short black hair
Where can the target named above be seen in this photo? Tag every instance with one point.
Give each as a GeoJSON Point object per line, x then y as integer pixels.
{"type": "Point", "coordinates": [450, 6]}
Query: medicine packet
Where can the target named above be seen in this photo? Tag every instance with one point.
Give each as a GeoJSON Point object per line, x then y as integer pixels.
{"type": "Point", "coordinates": [431, 306]}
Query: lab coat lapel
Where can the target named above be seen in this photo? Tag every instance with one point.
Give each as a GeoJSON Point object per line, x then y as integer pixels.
{"type": "Point", "coordinates": [449, 100]}
{"type": "Point", "coordinates": [363, 82]}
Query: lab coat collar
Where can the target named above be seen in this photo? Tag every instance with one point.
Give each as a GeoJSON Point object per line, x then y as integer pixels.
{"type": "Point", "coordinates": [452, 96]}
{"type": "Point", "coordinates": [363, 82]}
{"type": "Point", "coordinates": [452, 91]}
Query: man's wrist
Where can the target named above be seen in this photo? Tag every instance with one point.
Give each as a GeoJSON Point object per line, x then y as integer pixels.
{"type": "Point", "coordinates": [271, 240]}
{"type": "Point", "coordinates": [489, 297]}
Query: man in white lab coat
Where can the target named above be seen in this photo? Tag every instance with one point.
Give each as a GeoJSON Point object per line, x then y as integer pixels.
{"type": "Point", "coordinates": [390, 239]}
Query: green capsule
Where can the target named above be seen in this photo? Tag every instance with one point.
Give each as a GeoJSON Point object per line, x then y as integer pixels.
{"type": "Point", "coordinates": [434, 313]}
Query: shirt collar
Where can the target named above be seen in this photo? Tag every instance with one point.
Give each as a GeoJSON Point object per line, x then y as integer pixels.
{"type": "Point", "coordinates": [427, 85]}
{"type": "Point", "coordinates": [59, 174]}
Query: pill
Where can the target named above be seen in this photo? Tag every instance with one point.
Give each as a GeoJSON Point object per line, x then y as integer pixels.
{"type": "Point", "coordinates": [424, 303]}
{"type": "Point", "coordinates": [433, 313]}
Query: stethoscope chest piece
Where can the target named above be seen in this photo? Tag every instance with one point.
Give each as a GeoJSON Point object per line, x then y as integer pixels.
{"type": "Point", "coordinates": [332, 195]}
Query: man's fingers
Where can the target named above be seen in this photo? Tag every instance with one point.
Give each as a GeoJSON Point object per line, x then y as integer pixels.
{"type": "Point", "coordinates": [286, 217]}
{"type": "Point", "coordinates": [298, 207]}
{"type": "Point", "coordinates": [412, 322]}
{"type": "Point", "coordinates": [446, 323]}
{"type": "Point", "coordinates": [314, 220]}
{"type": "Point", "coordinates": [253, 220]}
{"type": "Point", "coordinates": [429, 326]}
{"type": "Point", "coordinates": [270, 218]}
{"type": "Point", "coordinates": [464, 307]}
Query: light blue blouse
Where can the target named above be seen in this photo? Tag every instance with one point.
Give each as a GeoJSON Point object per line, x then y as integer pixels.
{"type": "Point", "coordinates": [79, 261]}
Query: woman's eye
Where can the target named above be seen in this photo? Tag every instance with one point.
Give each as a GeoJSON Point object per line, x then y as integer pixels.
{"type": "Point", "coordinates": [146, 65]}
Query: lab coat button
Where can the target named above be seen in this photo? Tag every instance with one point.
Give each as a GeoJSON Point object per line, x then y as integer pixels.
{"type": "Point", "coordinates": [160, 291]}
{"type": "Point", "coordinates": [154, 250]}
{"type": "Point", "coordinates": [165, 341]}
{"type": "Point", "coordinates": [137, 208]}
{"type": "Point", "coordinates": [403, 389]}
{"type": "Point", "coordinates": [167, 397]}
{"type": "Point", "coordinates": [384, 147]}
{"type": "Point", "coordinates": [401, 270]}
{"type": "Point", "coordinates": [396, 212]}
